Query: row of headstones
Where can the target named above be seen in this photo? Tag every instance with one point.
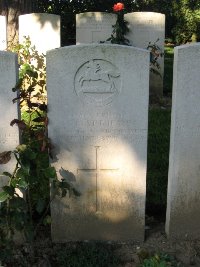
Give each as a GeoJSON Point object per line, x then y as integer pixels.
{"type": "Point", "coordinates": [93, 27]}
{"type": "Point", "coordinates": [98, 123]}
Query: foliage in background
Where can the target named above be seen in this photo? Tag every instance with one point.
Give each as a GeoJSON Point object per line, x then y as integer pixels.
{"type": "Point", "coordinates": [182, 16]}
{"type": "Point", "coordinates": [25, 200]}
{"type": "Point", "coordinates": [187, 26]}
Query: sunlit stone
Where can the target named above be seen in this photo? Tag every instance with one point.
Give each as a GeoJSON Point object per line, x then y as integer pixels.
{"type": "Point", "coordinates": [183, 202]}
{"type": "Point", "coordinates": [3, 44]}
{"type": "Point", "coordinates": [94, 27]}
{"type": "Point", "coordinates": [98, 116]}
{"type": "Point", "coordinates": [145, 28]}
{"type": "Point", "coordinates": [9, 136]}
{"type": "Point", "coordinates": [43, 30]}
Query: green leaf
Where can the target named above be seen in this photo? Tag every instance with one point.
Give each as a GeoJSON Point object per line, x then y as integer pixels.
{"type": "Point", "coordinates": [39, 119]}
{"type": "Point", "coordinates": [21, 148]}
{"type": "Point", "coordinates": [3, 196]}
{"type": "Point", "coordinates": [9, 190]}
{"type": "Point", "coordinates": [26, 168]}
{"type": "Point", "coordinates": [26, 66]}
{"type": "Point", "coordinates": [29, 154]}
{"type": "Point", "coordinates": [50, 172]}
{"type": "Point", "coordinates": [22, 184]}
{"type": "Point", "coordinates": [32, 73]}
{"type": "Point", "coordinates": [21, 174]}
{"type": "Point", "coordinates": [18, 85]}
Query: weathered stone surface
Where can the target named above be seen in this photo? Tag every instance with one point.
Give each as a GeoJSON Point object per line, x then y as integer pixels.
{"type": "Point", "coordinates": [148, 27]}
{"type": "Point", "coordinates": [43, 29]}
{"type": "Point", "coordinates": [98, 114]}
{"type": "Point", "coordinates": [183, 204]}
{"type": "Point", "coordinates": [93, 27]}
{"type": "Point", "coordinates": [3, 44]}
{"type": "Point", "coordinates": [9, 136]}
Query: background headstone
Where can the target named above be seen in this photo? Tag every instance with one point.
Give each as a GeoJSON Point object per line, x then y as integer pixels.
{"type": "Point", "coordinates": [9, 136]}
{"type": "Point", "coordinates": [148, 27]}
{"type": "Point", "coordinates": [3, 44]}
{"type": "Point", "coordinates": [98, 115]}
{"type": "Point", "coordinates": [43, 29]}
{"type": "Point", "coordinates": [183, 203]}
{"type": "Point", "coordinates": [93, 27]}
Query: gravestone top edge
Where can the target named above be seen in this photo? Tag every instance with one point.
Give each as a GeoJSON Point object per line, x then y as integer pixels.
{"type": "Point", "coordinates": [146, 12]}
{"type": "Point", "coordinates": [47, 14]}
{"type": "Point", "coordinates": [2, 52]}
{"type": "Point", "coordinates": [93, 12]}
{"type": "Point", "coordinates": [95, 45]}
{"type": "Point", "coordinates": [185, 46]}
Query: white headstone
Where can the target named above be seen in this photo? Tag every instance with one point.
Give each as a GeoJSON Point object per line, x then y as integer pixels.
{"type": "Point", "coordinates": [98, 114]}
{"type": "Point", "coordinates": [148, 27]}
{"type": "Point", "coordinates": [3, 44]}
{"type": "Point", "coordinates": [183, 203]}
{"type": "Point", "coordinates": [9, 136]}
{"type": "Point", "coordinates": [43, 29]}
{"type": "Point", "coordinates": [94, 27]}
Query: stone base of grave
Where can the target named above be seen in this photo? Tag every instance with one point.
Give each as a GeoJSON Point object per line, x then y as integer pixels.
{"type": "Point", "coordinates": [81, 225]}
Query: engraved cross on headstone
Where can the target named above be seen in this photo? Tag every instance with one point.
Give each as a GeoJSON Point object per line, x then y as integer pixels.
{"type": "Point", "coordinates": [97, 171]}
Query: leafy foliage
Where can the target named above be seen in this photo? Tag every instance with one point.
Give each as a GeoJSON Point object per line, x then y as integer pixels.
{"type": "Point", "coordinates": [120, 29]}
{"type": "Point", "coordinates": [32, 79]}
{"type": "Point", "coordinates": [26, 199]}
{"type": "Point", "coordinates": [161, 260]}
{"type": "Point", "coordinates": [155, 54]}
{"type": "Point", "coordinates": [187, 26]}
{"type": "Point", "coordinates": [182, 16]}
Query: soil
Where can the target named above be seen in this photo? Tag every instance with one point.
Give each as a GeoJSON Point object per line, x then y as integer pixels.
{"type": "Point", "coordinates": [45, 253]}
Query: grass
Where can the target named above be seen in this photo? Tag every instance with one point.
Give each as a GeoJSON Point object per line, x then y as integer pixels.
{"type": "Point", "coordinates": [157, 159]}
{"type": "Point", "coordinates": [158, 147]}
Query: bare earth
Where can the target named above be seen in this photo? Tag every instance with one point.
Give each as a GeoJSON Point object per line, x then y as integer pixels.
{"type": "Point", "coordinates": [130, 254]}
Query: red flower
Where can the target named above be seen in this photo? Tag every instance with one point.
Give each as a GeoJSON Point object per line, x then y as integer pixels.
{"type": "Point", "coordinates": [118, 7]}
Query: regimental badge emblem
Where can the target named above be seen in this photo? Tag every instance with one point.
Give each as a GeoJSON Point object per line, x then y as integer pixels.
{"type": "Point", "coordinates": [97, 82]}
